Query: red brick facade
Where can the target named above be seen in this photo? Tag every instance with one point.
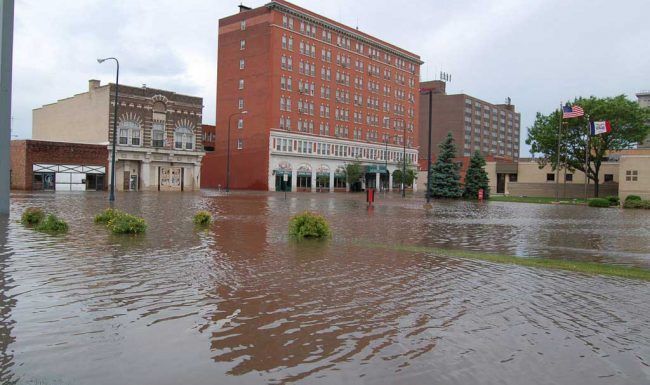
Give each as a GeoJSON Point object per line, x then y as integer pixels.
{"type": "Point", "coordinates": [343, 84]}
{"type": "Point", "coordinates": [25, 153]}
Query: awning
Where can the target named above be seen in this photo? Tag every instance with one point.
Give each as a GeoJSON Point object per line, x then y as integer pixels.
{"type": "Point", "coordinates": [375, 168]}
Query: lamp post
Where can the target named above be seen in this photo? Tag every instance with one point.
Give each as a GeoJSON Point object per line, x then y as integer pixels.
{"type": "Point", "coordinates": [111, 196]}
{"type": "Point", "coordinates": [428, 196]}
{"type": "Point", "coordinates": [387, 126]}
{"type": "Point", "coordinates": [404, 163]}
{"type": "Point", "coordinates": [228, 158]}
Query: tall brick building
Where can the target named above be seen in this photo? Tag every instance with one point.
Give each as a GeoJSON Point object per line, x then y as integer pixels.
{"type": "Point", "coordinates": [492, 129]}
{"type": "Point", "coordinates": [317, 95]}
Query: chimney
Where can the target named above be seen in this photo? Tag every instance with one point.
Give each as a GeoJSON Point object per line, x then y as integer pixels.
{"type": "Point", "coordinates": [243, 8]}
{"type": "Point", "coordinates": [92, 84]}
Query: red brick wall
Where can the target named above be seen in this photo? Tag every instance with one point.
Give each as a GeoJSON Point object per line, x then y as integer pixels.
{"type": "Point", "coordinates": [24, 153]}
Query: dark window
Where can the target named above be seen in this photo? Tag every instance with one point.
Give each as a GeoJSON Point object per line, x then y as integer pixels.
{"type": "Point", "coordinates": [609, 177]}
{"type": "Point", "coordinates": [512, 177]}
{"type": "Point", "coordinates": [568, 177]}
{"type": "Point", "coordinates": [550, 177]}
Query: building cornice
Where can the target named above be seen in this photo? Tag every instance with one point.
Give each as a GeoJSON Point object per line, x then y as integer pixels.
{"type": "Point", "coordinates": [375, 145]}
{"type": "Point", "coordinates": [324, 23]}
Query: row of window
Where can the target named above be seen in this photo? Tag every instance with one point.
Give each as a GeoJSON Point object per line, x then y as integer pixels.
{"type": "Point", "coordinates": [130, 134]}
{"type": "Point", "coordinates": [301, 146]}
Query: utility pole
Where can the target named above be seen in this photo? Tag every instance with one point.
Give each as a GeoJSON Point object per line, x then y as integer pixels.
{"type": "Point", "coordinates": [6, 52]}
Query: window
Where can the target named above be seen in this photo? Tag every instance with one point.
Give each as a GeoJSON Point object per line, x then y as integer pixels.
{"type": "Point", "coordinates": [241, 64]}
{"type": "Point", "coordinates": [241, 84]}
{"type": "Point", "coordinates": [631, 175]}
{"type": "Point", "coordinates": [550, 177]}
{"type": "Point", "coordinates": [135, 137]}
{"type": "Point", "coordinates": [568, 178]}
{"type": "Point", "coordinates": [242, 25]}
{"type": "Point", "coordinates": [129, 132]}
{"type": "Point", "coordinates": [241, 104]}
{"type": "Point", "coordinates": [512, 177]}
{"type": "Point", "coordinates": [240, 123]}
{"type": "Point", "coordinates": [240, 144]}
{"type": "Point", "coordinates": [158, 134]}
{"type": "Point", "coordinates": [183, 138]}
{"type": "Point", "coordinates": [242, 45]}
{"type": "Point", "coordinates": [609, 177]}
{"type": "Point", "coordinates": [124, 136]}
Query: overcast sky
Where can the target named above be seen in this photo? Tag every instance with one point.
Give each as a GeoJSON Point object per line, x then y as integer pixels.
{"type": "Point", "coordinates": [538, 52]}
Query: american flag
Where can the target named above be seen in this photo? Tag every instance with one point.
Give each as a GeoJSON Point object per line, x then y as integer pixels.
{"type": "Point", "coordinates": [572, 112]}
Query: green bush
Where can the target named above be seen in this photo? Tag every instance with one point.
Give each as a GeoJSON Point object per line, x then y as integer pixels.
{"type": "Point", "coordinates": [598, 202]}
{"type": "Point", "coordinates": [52, 224]}
{"type": "Point", "coordinates": [106, 215]}
{"type": "Point", "coordinates": [632, 198]}
{"type": "Point", "coordinates": [637, 204]}
{"type": "Point", "coordinates": [124, 223]}
{"type": "Point", "coordinates": [309, 225]}
{"type": "Point", "coordinates": [202, 218]}
{"type": "Point", "coordinates": [613, 200]}
{"type": "Point", "coordinates": [32, 216]}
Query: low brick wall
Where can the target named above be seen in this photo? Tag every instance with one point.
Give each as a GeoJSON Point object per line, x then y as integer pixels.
{"type": "Point", "coordinates": [568, 190]}
{"type": "Point", "coordinates": [24, 153]}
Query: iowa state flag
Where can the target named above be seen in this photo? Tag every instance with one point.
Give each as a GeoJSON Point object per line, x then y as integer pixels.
{"type": "Point", "coordinates": [598, 128]}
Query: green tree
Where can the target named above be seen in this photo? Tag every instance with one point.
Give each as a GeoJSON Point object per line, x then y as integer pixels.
{"type": "Point", "coordinates": [476, 177]}
{"type": "Point", "coordinates": [353, 172]}
{"type": "Point", "coordinates": [411, 174]}
{"type": "Point", "coordinates": [445, 175]}
{"type": "Point", "coordinates": [629, 126]}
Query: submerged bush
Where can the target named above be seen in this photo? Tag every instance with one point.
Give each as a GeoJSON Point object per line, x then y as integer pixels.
{"type": "Point", "coordinates": [632, 198]}
{"type": "Point", "coordinates": [202, 218]}
{"type": "Point", "coordinates": [32, 216]}
{"type": "Point", "coordinates": [52, 224]}
{"type": "Point", "coordinates": [636, 204]}
{"type": "Point", "coordinates": [598, 202]}
{"type": "Point", "coordinates": [106, 215]}
{"type": "Point", "coordinates": [124, 223]}
{"type": "Point", "coordinates": [309, 225]}
{"type": "Point", "coordinates": [613, 200]}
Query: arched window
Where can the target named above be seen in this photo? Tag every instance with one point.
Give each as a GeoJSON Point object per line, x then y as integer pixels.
{"type": "Point", "coordinates": [129, 130]}
{"type": "Point", "coordinates": [183, 138]}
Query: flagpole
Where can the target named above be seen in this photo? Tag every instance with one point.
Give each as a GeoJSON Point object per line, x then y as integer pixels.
{"type": "Point", "coordinates": [557, 170]}
{"type": "Point", "coordinates": [587, 151]}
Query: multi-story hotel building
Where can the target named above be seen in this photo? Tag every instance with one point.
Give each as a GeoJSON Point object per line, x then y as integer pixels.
{"type": "Point", "coordinates": [491, 129]}
{"type": "Point", "coordinates": [303, 95]}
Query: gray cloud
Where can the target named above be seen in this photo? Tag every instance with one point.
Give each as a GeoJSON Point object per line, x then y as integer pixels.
{"type": "Point", "coordinates": [538, 52]}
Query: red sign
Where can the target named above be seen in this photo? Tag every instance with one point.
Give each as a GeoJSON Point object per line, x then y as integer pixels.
{"type": "Point", "coordinates": [480, 194]}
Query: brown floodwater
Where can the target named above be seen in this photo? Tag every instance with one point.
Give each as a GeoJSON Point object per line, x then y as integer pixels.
{"type": "Point", "coordinates": [241, 303]}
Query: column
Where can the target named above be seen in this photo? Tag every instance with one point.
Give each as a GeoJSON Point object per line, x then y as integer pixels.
{"type": "Point", "coordinates": [197, 176]}
{"type": "Point", "coordinates": [415, 185]}
{"type": "Point", "coordinates": [313, 180]}
{"type": "Point", "coordinates": [6, 52]}
{"type": "Point", "coordinates": [146, 175]}
{"type": "Point", "coordinates": [331, 181]}
{"type": "Point", "coordinates": [377, 181]}
{"type": "Point", "coordinates": [294, 180]}
{"type": "Point", "coordinates": [390, 181]}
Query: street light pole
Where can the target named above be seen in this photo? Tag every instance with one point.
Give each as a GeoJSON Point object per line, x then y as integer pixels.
{"type": "Point", "coordinates": [429, 145]}
{"type": "Point", "coordinates": [228, 157]}
{"type": "Point", "coordinates": [404, 163]}
{"type": "Point", "coordinates": [111, 196]}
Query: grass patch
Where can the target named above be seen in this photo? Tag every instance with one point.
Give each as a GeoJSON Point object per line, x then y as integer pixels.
{"type": "Point", "coordinates": [124, 223]}
{"type": "Point", "coordinates": [105, 216]}
{"type": "Point", "coordinates": [593, 268]}
{"type": "Point", "coordinates": [542, 200]}
{"type": "Point", "coordinates": [309, 225]}
{"type": "Point", "coordinates": [52, 224]}
{"type": "Point", "coordinates": [599, 202]}
{"type": "Point", "coordinates": [202, 218]}
{"type": "Point", "coordinates": [32, 216]}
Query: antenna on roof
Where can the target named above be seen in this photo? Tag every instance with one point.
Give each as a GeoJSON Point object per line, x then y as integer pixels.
{"type": "Point", "coordinates": [357, 23]}
{"type": "Point", "coordinates": [508, 100]}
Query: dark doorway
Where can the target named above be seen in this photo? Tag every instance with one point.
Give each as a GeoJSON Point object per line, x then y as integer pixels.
{"type": "Point", "coordinates": [501, 183]}
{"type": "Point", "coordinates": [94, 182]}
{"type": "Point", "coordinates": [280, 184]}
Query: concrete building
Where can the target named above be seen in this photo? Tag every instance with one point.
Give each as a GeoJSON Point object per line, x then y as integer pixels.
{"type": "Point", "coordinates": [159, 133]}
{"type": "Point", "coordinates": [634, 173]}
{"type": "Point", "coordinates": [644, 101]}
{"type": "Point", "coordinates": [38, 165]}
{"type": "Point", "coordinates": [304, 95]}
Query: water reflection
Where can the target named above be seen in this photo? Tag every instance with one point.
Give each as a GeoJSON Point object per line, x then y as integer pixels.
{"type": "Point", "coordinates": [241, 303]}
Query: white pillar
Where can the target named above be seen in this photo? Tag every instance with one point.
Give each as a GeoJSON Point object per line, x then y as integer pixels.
{"type": "Point", "coordinates": [331, 181]}
{"type": "Point", "coordinates": [145, 168]}
{"type": "Point", "coordinates": [197, 176]}
{"type": "Point", "coordinates": [377, 180]}
{"type": "Point", "coordinates": [313, 180]}
{"type": "Point", "coordinates": [415, 185]}
{"type": "Point", "coordinates": [294, 180]}
{"type": "Point", "coordinates": [390, 181]}
{"type": "Point", "coordinates": [6, 52]}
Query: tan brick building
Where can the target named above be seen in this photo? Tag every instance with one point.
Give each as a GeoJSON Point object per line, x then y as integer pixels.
{"type": "Point", "coordinates": [318, 94]}
{"type": "Point", "coordinates": [159, 143]}
{"type": "Point", "coordinates": [634, 173]}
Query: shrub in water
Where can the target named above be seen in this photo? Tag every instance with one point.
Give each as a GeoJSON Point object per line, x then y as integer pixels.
{"type": "Point", "coordinates": [32, 216]}
{"type": "Point", "coordinates": [124, 223]}
{"type": "Point", "coordinates": [632, 198]}
{"type": "Point", "coordinates": [636, 204]}
{"type": "Point", "coordinates": [106, 215]}
{"type": "Point", "coordinates": [613, 201]}
{"type": "Point", "coordinates": [309, 225]}
{"type": "Point", "coordinates": [52, 224]}
{"type": "Point", "coordinates": [202, 218]}
{"type": "Point", "coordinates": [598, 202]}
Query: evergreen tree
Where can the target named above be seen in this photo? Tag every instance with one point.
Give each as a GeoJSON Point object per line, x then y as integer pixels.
{"type": "Point", "coordinates": [476, 178]}
{"type": "Point", "coordinates": [445, 176]}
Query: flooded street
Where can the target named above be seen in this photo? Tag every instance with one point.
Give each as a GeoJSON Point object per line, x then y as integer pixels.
{"type": "Point", "coordinates": [241, 303]}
